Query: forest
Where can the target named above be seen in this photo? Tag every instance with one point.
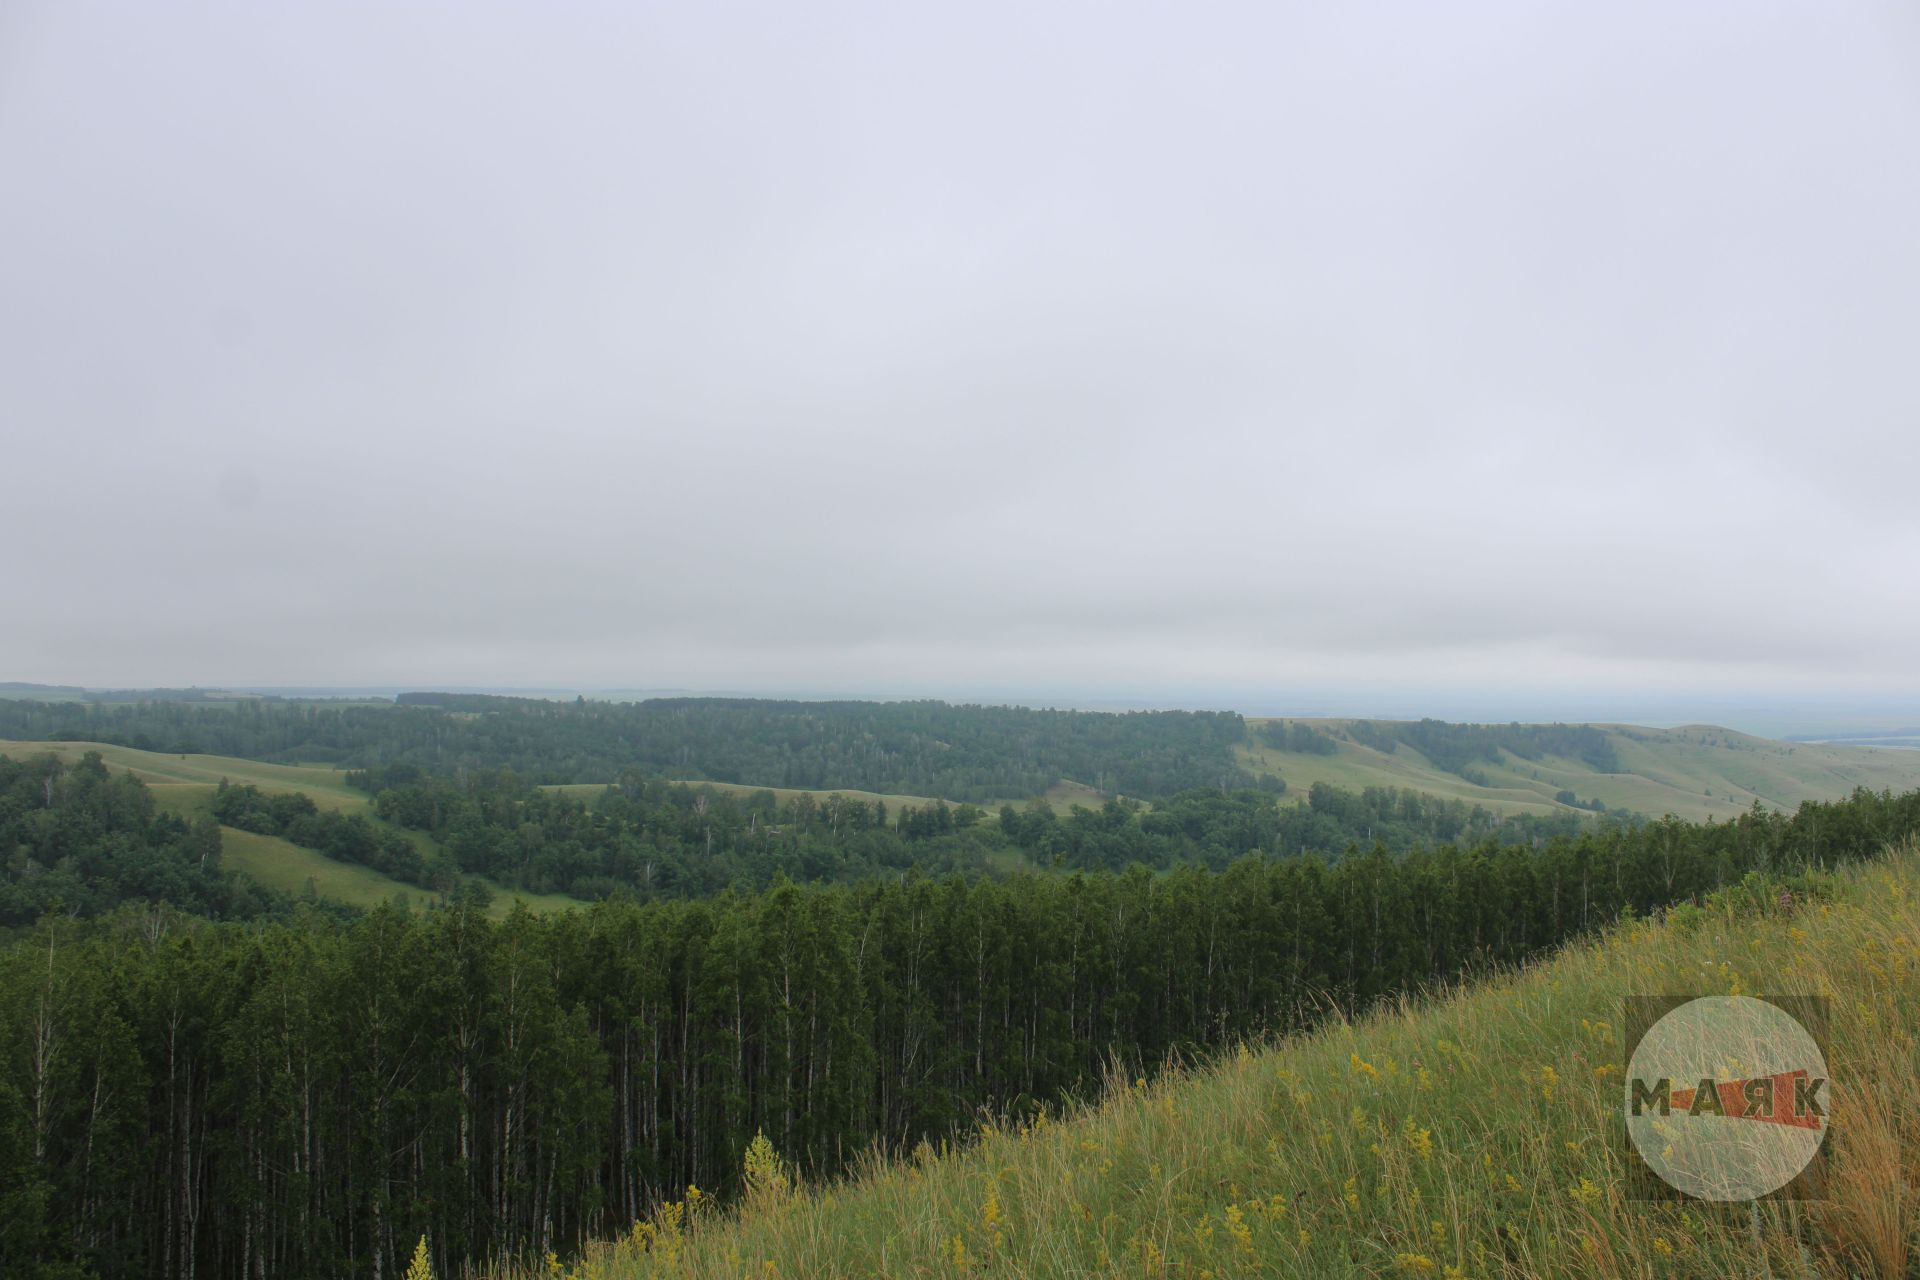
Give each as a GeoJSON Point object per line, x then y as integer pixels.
{"type": "Point", "coordinates": [962, 753]}
{"type": "Point", "coordinates": [80, 840]}
{"type": "Point", "coordinates": [303, 1094]}
{"type": "Point", "coordinates": [653, 839]}
{"type": "Point", "coordinates": [650, 839]}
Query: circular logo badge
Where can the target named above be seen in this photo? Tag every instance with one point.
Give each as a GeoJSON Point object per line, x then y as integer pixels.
{"type": "Point", "coordinates": [1726, 1098]}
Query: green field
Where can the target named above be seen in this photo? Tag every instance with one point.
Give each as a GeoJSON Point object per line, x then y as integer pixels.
{"type": "Point", "coordinates": [1696, 771]}
{"type": "Point", "coordinates": [185, 785]}
{"type": "Point", "coordinates": [1064, 795]}
{"type": "Point", "coordinates": [326, 784]}
{"type": "Point", "coordinates": [1477, 1134]}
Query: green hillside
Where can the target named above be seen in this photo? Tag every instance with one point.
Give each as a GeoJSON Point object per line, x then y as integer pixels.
{"type": "Point", "coordinates": [1475, 1135]}
{"type": "Point", "coordinates": [185, 785]}
{"type": "Point", "coordinates": [1696, 771]}
{"type": "Point", "coordinates": [327, 786]}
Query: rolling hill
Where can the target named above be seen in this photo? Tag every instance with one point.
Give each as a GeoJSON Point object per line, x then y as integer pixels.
{"type": "Point", "coordinates": [1695, 771]}
{"type": "Point", "coordinates": [185, 785]}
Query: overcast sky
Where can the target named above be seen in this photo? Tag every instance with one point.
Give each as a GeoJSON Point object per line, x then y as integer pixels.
{"type": "Point", "coordinates": [1094, 349]}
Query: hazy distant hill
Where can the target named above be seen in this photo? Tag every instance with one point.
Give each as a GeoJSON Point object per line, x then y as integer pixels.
{"type": "Point", "coordinates": [1695, 771]}
{"type": "Point", "coordinates": [40, 692]}
{"type": "Point", "coordinates": [992, 754]}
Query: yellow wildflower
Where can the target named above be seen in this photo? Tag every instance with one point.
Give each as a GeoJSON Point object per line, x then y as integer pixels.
{"type": "Point", "coordinates": [1421, 1140]}
{"type": "Point", "coordinates": [421, 1268]}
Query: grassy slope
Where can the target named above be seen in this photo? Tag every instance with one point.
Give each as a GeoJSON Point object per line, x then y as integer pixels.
{"type": "Point", "coordinates": [1477, 1134]}
{"type": "Point", "coordinates": [1695, 772]}
{"type": "Point", "coordinates": [327, 785]}
{"type": "Point", "coordinates": [185, 785]}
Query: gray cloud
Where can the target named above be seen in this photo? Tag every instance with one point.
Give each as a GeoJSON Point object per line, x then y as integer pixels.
{"type": "Point", "coordinates": [1109, 348]}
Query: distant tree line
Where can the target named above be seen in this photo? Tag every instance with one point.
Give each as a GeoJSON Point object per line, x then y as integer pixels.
{"type": "Point", "coordinates": [308, 1097]}
{"type": "Point", "coordinates": [1298, 735]}
{"type": "Point", "coordinates": [192, 694]}
{"type": "Point", "coordinates": [962, 753]}
{"type": "Point", "coordinates": [1211, 828]}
